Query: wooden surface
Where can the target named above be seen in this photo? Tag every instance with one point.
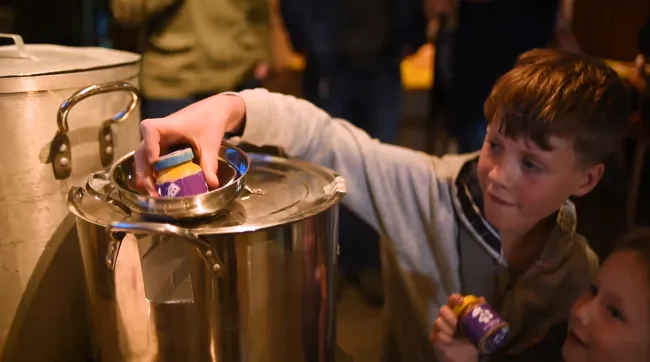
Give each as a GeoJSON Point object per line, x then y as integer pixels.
{"type": "Point", "coordinates": [609, 28]}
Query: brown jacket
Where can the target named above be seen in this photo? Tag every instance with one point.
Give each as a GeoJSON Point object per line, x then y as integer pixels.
{"type": "Point", "coordinates": [198, 46]}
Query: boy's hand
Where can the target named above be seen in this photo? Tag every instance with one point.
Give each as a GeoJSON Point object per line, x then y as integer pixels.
{"type": "Point", "coordinates": [566, 40]}
{"type": "Point", "coordinates": [202, 125]}
{"type": "Point", "coordinates": [442, 337]}
{"type": "Point", "coordinates": [564, 37]}
{"type": "Point", "coordinates": [640, 78]}
{"type": "Point", "coordinates": [262, 71]}
{"type": "Point", "coordinates": [434, 8]}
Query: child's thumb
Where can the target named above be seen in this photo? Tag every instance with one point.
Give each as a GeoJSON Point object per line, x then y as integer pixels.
{"type": "Point", "coordinates": [209, 163]}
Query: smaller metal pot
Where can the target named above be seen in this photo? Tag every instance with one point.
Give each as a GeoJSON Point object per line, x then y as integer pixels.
{"type": "Point", "coordinates": [119, 186]}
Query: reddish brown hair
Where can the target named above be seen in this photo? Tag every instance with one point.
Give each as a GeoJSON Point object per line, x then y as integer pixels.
{"type": "Point", "coordinates": [550, 92]}
{"type": "Point", "coordinates": [636, 240]}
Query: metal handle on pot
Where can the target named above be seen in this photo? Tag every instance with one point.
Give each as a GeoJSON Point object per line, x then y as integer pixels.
{"type": "Point", "coordinates": [21, 52]}
{"type": "Point", "coordinates": [208, 253]}
{"type": "Point", "coordinates": [337, 186]}
{"type": "Point", "coordinates": [95, 89]}
{"type": "Point", "coordinates": [265, 150]}
{"type": "Point", "coordinates": [60, 152]}
{"type": "Point", "coordinates": [106, 190]}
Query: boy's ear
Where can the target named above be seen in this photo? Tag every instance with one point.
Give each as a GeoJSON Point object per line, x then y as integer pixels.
{"type": "Point", "coordinates": [589, 179]}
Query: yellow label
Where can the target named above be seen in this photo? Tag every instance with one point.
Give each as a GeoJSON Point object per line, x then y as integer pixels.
{"type": "Point", "coordinates": [177, 172]}
{"type": "Point", "coordinates": [467, 301]}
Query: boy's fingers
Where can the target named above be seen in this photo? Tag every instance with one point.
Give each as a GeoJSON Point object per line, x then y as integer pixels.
{"type": "Point", "coordinates": [454, 300]}
{"type": "Point", "coordinates": [150, 140]}
{"type": "Point", "coordinates": [448, 317]}
{"type": "Point", "coordinates": [209, 163]}
{"type": "Point", "coordinates": [443, 327]}
{"type": "Point", "coordinates": [441, 338]}
{"type": "Point", "coordinates": [143, 171]}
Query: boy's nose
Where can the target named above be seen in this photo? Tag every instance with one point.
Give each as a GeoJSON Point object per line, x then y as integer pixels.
{"type": "Point", "coordinates": [583, 313]}
{"type": "Point", "coordinates": [499, 176]}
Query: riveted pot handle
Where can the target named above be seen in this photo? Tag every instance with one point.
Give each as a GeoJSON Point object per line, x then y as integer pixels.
{"type": "Point", "coordinates": [116, 232]}
{"type": "Point", "coordinates": [99, 186]}
{"type": "Point", "coordinates": [60, 153]}
{"type": "Point", "coordinates": [338, 186]}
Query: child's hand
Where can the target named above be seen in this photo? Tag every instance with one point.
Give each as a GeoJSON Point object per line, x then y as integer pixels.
{"type": "Point", "coordinates": [442, 337]}
{"type": "Point", "coordinates": [640, 79]}
{"type": "Point", "coordinates": [434, 8]}
{"type": "Point", "coordinates": [202, 124]}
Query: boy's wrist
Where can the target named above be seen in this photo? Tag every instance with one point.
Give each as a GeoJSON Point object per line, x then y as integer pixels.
{"type": "Point", "coordinates": [562, 23]}
{"type": "Point", "coordinates": [235, 109]}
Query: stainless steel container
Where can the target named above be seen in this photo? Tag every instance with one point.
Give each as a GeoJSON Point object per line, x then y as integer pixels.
{"type": "Point", "coordinates": [253, 285]}
{"type": "Point", "coordinates": [65, 112]}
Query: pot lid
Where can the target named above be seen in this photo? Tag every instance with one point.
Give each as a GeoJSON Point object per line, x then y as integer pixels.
{"type": "Point", "coordinates": [21, 60]}
{"type": "Point", "coordinates": [280, 191]}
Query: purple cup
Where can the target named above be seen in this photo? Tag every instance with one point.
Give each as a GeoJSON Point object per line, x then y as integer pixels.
{"type": "Point", "coordinates": [485, 328]}
{"type": "Point", "coordinates": [193, 184]}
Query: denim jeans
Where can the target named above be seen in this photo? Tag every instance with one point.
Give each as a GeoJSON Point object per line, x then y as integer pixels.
{"type": "Point", "coordinates": [159, 108]}
{"type": "Point", "coordinates": [371, 100]}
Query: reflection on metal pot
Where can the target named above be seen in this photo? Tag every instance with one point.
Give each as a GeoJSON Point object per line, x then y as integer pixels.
{"type": "Point", "coordinates": [254, 284]}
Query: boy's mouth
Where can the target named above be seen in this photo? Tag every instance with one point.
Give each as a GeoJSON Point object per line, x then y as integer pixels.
{"type": "Point", "coordinates": [499, 200]}
{"type": "Point", "coordinates": [574, 338]}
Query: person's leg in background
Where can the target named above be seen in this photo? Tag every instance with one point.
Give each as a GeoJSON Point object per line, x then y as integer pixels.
{"type": "Point", "coordinates": [489, 38]}
{"type": "Point", "coordinates": [377, 106]}
{"type": "Point", "coordinates": [440, 93]}
{"type": "Point", "coordinates": [159, 108]}
{"type": "Point", "coordinates": [473, 74]}
{"type": "Point", "coordinates": [341, 94]}
{"type": "Point", "coordinates": [332, 93]}
{"type": "Point", "coordinates": [381, 102]}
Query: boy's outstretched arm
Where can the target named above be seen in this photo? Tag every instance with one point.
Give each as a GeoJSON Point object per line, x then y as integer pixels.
{"type": "Point", "coordinates": [402, 193]}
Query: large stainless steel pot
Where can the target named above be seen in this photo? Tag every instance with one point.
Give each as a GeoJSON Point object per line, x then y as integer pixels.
{"type": "Point", "coordinates": [64, 112]}
{"type": "Point", "coordinates": [254, 285]}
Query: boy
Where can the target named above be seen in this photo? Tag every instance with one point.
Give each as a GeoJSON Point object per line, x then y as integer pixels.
{"type": "Point", "coordinates": [551, 122]}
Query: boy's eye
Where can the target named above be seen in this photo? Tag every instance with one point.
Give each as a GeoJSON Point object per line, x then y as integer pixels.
{"type": "Point", "coordinates": [593, 289]}
{"type": "Point", "coordinates": [529, 166]}
{"type": "Point", "coordinates": [493, 145]}
{"type": "Point", "coordinates": [615, 313]}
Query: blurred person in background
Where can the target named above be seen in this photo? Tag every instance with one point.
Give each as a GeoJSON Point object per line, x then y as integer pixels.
{"type": "Point", "coordinates": [196, 48]}
{"type": "Point", "coordinates": [353, 51]}
{"type": "Point", "coordinates": [640, 80]}
{"type": "Point", "coordinates": [486, 38]}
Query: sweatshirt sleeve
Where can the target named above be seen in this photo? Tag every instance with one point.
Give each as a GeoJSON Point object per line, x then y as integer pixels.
{"type": "Point", "coordinates": [402, 193]}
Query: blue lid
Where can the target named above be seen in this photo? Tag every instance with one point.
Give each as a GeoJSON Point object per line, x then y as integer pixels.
{"type": "Point", "coordinates": [173, 159]}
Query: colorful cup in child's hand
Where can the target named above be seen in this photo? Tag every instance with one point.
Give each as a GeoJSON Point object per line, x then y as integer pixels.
{"type": "Point", "coordinates": [178, 176]}
{"type": "Point", "coordinates": [481, 324]}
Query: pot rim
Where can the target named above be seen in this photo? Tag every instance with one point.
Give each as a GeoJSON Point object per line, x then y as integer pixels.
{"type": "Point", "coordinates": [336, 189]}
{"type": "Point", "coordinates": [189, 206]}
{"type": "Point", "coordinates": [69, 80]}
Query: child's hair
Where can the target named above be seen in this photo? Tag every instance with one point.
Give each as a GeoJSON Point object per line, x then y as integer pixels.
{"type": "Point", "coordinates": [637, 241]}
{"type": "Point", "coordinates": [551, 92]}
